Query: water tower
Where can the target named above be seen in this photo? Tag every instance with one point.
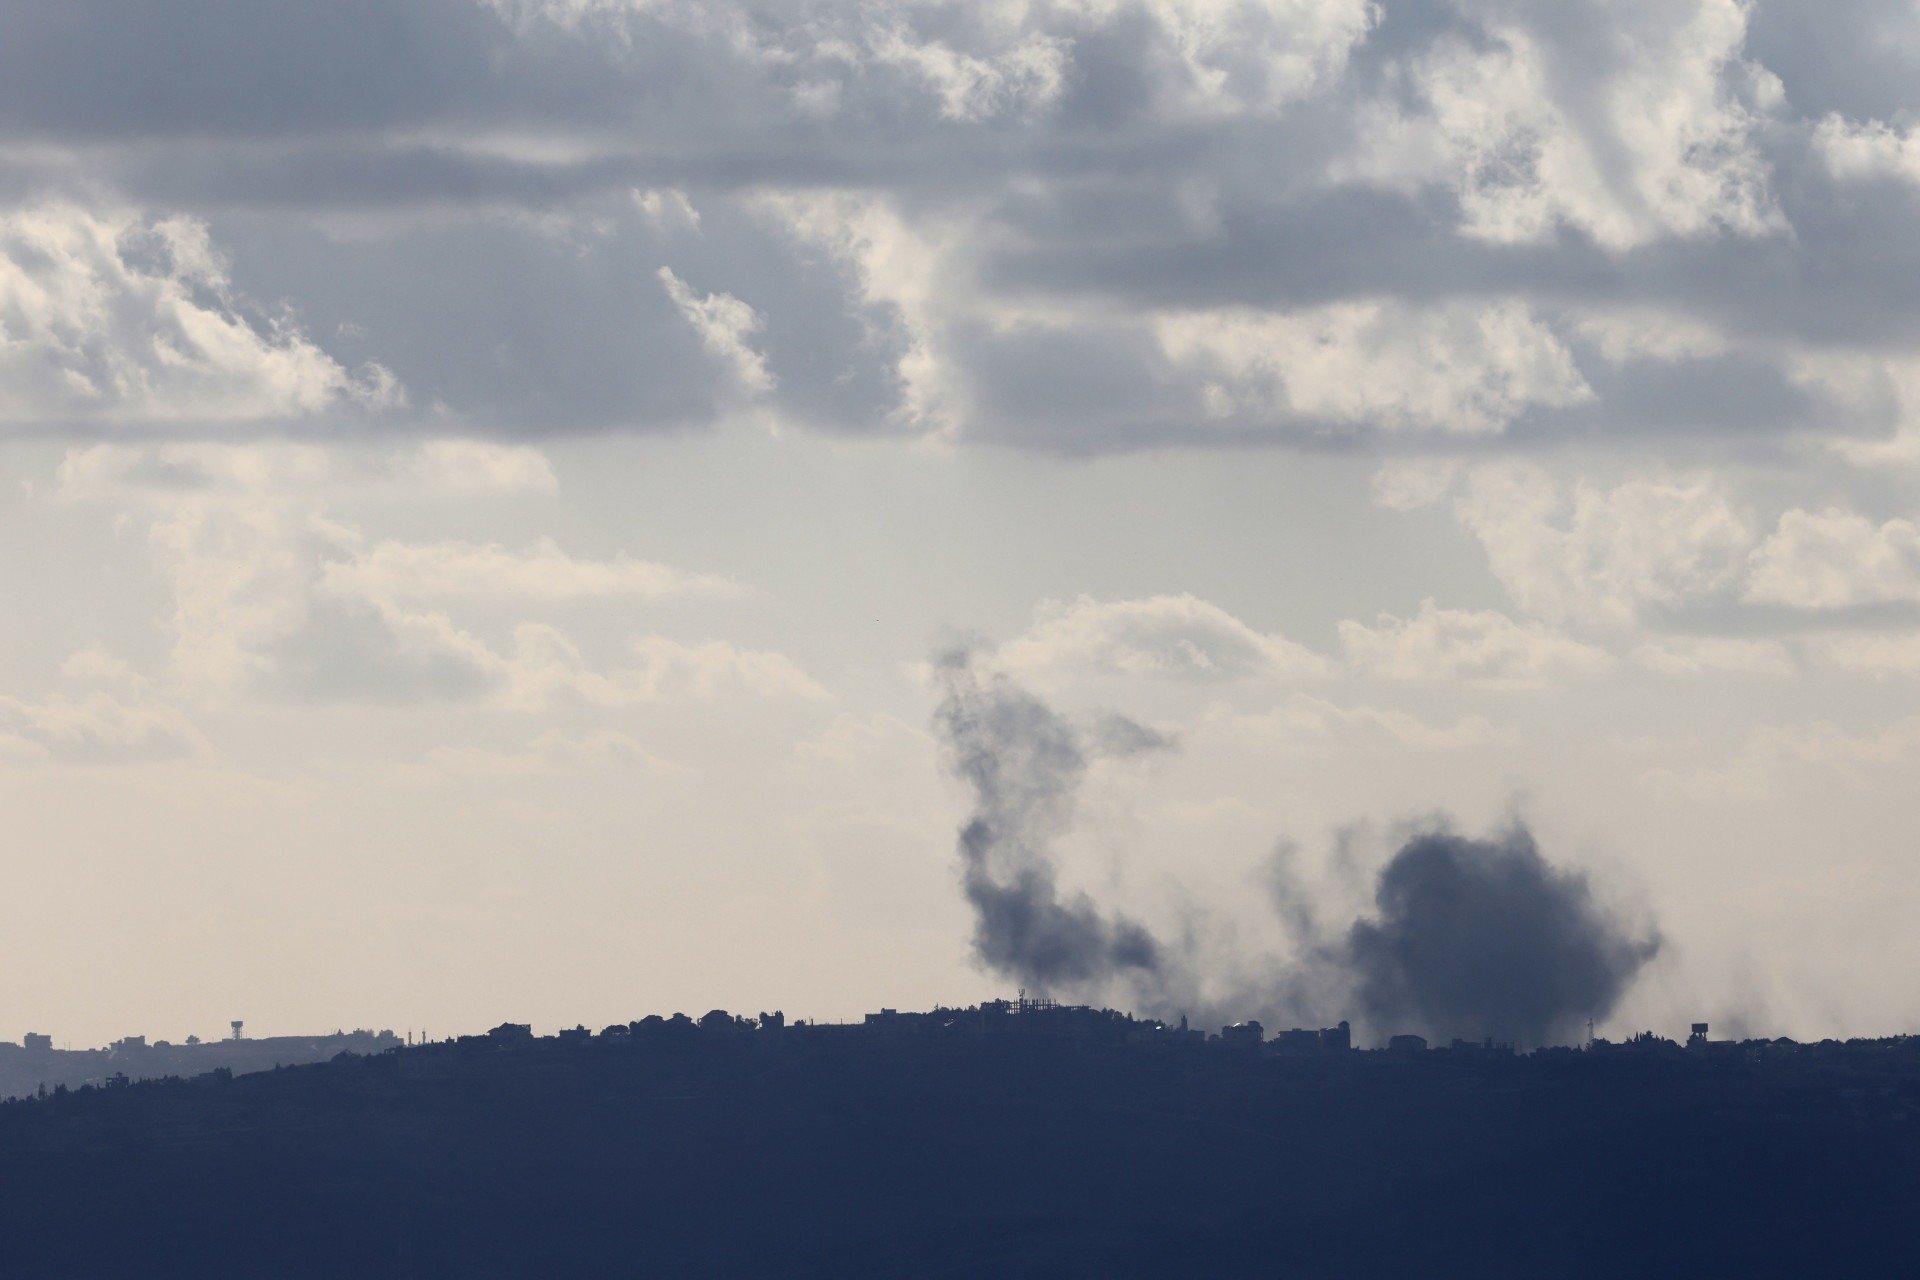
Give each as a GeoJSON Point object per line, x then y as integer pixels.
{"type": "Point", "coordinates": [236, 1024]}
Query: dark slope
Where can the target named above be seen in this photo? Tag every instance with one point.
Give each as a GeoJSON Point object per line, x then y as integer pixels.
{"type": "Point", "coordinates": [760, 1155]}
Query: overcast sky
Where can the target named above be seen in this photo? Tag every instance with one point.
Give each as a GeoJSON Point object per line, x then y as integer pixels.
{"type": "Point", "coordinates": [487, 477]}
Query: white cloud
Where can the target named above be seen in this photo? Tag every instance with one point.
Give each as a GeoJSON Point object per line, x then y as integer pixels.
{"type": "Point", "coordinates": [1456, 644]}
{"type": "Point", "coordinates": [1236, 56]}
{"type": "Point", "coordinates": [1875, 654]}
{"type": "Point", "coordinates": [1006, 60]}
{"type": "Point", "coordinates": [1856, 150]}
{"type": "Point", "coordinates": [1409, 484]}
{"type": "Point", "coordinates": [1628, 334]}
{"type": "Point", "coordinates": [1832, 559]}
{"type": "Point", "coordinates": [112, 318]}
{"type": "Point", "coordinates": [106, 714]}
{"type": "Point", "coordinates": [1714, 655]}
{"type": "Point", "coordinates": [1022, 76]}
{"type": "Point", "coordinates": [725, 325]}
{"type": "Point", "coordinates": [1628, 122]}
{"type": "Point", "coordinates": [166, 473]}
{"type": "Point", "coordinates": [454, 570]}
{"type": "Point", "coordinates": [1174, 637]}
{"type": "Point", "coordinates": [1463, 368]}
{"type": "Point", "coordinates": [553, 753]}
{"type": "Point", "coordinates": [547, 668]}
{"type": "Point", "coordinates": [1602, 556]}
{"type": "Point", "coordinates": [474, 467]}
{"type": "Point", "coordinates": [274, 597]}
{"type": "Point", "coordinates": [1306, 723]}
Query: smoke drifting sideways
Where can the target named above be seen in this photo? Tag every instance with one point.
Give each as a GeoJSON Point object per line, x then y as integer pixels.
{"type": "Point", "coordinates": [1466, 938]}
{"type": "Point", "coordinates": [1024, 763]}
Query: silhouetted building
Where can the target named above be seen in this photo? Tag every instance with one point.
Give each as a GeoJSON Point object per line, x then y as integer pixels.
{"type": "Point", "coordinates": [37, 1043]}
{"type": "Point", "coordinates": [1407, 1044]}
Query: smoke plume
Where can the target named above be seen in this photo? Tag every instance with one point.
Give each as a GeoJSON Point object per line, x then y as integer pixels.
{"type": "Point", "coordinates": [1484, 938]}
{"type": "Point", "coordinates": [1468, 938]}
{"type": "Point", "coordinates": [1024, 763]}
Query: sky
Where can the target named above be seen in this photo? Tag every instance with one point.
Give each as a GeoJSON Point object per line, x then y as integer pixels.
{"type": "Point", "coordinates": [490, 483]}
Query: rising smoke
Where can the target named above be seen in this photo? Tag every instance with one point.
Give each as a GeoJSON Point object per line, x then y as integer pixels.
{"type": "Point", "coordinates": [1024, 763]}
{"type": "Point", "coordinates": [1474, 938]}
{"type": "Point", "coordinates": [1485, 938]}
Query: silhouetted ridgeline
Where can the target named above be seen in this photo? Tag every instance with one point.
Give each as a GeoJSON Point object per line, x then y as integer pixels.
{"type": "Point", "coordinates": [1008, 1139]}
{"type": "Point", "coordinates": [35, 1063]}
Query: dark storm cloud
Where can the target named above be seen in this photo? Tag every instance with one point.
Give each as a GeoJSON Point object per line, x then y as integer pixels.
{"type": "Point", "coordinates": [1092, 166]}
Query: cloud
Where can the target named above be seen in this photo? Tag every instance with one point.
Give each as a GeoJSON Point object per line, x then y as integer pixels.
{"type": "Point", "coordinates": [1169, 637]}
{"type": "Point", "coordinates": [1481, 647]}
{"type": "Point", "coordinates": [1603, 556]}
{"type": "Point", "coordinates": [1833, 559]}
{"type": "Point", "coordinates": [1871, 654]}
{"type": "Point", "coordinates": [724, 324]}
{"type": "Point", "coordinates": [106, 715]}
{"type": "Point", "coordinates": [474, 467]}
{"type": "Point", "coordinates": [274, 597]}
{"type": "Point", "coordinates": [1864, 150]}
{"type": "Point", "coordinates": [393, 571]}
{"type": "Point", "coordinates": [553, 753]}
{"type": "Point", "coordinates": [547, 668]}
{"type": "Point", "coordinates": [1509, 121]}
{"type": "Point", "coordinates": [1466, 369]}
{"type": "Point", "coordinates": [1715, 655]}
{"type": "Point", "coordinates": [167, 473]}
{"type": "Point", "coordinates": [1306, 724]}
{"type": "Point", "coordinates": [119, 320]}
{"type": "Point", "coordinates": [1074, 226]}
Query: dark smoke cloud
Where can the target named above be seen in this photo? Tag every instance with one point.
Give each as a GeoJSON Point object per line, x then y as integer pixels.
{"type": "Point", "coordinates": [1024, 763]}
{"type": "Point", "coordinates": [1485, 938]}
{"type": "Point", "coordinates": [1468, 938]}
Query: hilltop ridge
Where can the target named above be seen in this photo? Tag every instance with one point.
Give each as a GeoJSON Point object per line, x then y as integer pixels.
{"type": "Point", "coordinates": [1035, 1140]}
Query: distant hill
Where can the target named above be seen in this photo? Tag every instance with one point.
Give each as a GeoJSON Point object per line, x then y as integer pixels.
{"type": "Point", "coordinates": [27, 1068]}
{"type": "Point", "coordinates": [952, 1150]}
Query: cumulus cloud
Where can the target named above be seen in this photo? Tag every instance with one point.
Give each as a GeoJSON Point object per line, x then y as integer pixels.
{"type": "Point", "coordinates": [272, 596]}
{"type": "Point", "coordinates": [393, 570]}
{"type": "Point", "coordinates": [1304, 723]}
{"type": "Point", "coordinates": [116, 319]}
{"type": "Point", "coordinates": [1482, 647]}
{"type": "Point", "coordinates": [103, 714]}
{"type": "Point", "coordinates": [1068, 226]}
{"type": "Point", "coordinates": [725, 325]}
{"type": "Point", "coordinates": [1463, 369]}
{"type": "Point", "coordinates": [149, 473]}
{"type": "Point", "coordinates": [474, 467]}
{"type": "Point", "coordinates": [1603, 556]}
{"type": "Point", "coordinates": [1715, 655]}
{"type": "Point", "coordinates": [552, 753]}
{"type": "Point", "coordinates": [1171, 637]}
{"type": "Point", "coordinates": [1511, 124]}
{"type": "Point", "coordinates": [1833, 559]}
{"type": "Point", "coordinates": [1855, 150]}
